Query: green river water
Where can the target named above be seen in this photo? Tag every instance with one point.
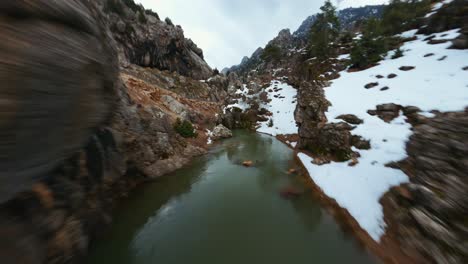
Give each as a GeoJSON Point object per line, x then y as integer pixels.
{"type": "Point", "coordinates": [217, 211]}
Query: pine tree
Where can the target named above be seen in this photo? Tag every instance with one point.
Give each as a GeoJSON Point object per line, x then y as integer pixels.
{"type": "Point", "coordinates": [371, 46]}
{"type": "Point", "coordinates": [324, 32]}
{"type": "Point", "coordinates": [142, 18]}
{"type": "Point", "coordinates": [401, 15]}
{"type": "Point", "coordinates": [271, 53]}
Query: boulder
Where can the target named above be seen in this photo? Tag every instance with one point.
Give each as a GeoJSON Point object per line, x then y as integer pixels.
{"type": "Point", "coordinates": [406, 68]}
{"type": "Point", "coordinates": [220, 132]}
{"type": "Point", "coordinates": [371, 85]}
{"type": "Point", "coordinates": [352, 119]}
{"type": "Point", "coordinates": [247, 163]}
{"type": "Point", "coordinates": [360, 143]}
{"type": "Point", "coordinates": [384, 88]}
{"type": "Point", "coordinates": [386, 112]}
{"type": "Point", "coordinates": [290, 192]}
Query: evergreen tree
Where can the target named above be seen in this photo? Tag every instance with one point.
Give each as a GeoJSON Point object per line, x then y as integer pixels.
{"type": "Point", "coordinates": [371, 46]}
{"type": "Point", "coordinates": [398, 54]}
{"type": "Point", "coordinates": [324, 32]}
{"type": "Point", "coordinates": [141, 17]}
{"type": "Point", "coordinates": [401, 15]}
{"type": "Point", "coordinates": [271, 53]}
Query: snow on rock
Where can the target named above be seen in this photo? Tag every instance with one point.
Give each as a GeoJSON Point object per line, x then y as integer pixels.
{"type": "Point", "coordinates": [282, 106]}
{"type": "Point", "coordinates": [241, 104]}
{"type": "Point", "coordinates": [437, 6]}
{"type": "Point", "coordinates": [438, 82]}
{"type": "Point", "coordinates": [209, 134]}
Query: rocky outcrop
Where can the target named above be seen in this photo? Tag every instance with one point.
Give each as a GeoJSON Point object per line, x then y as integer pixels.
{"type": "Point", "coordinates": [43, 90]}
{"type": "Point", "coordinates": [429, 214]}
{"type": "Point", "coordinates": [283, 40]}
{"type": "Point", "coordinates": [150, 42]}
{"type": "Point", "coordinates": [220, 132]}
{"type": "Point", "coordinates": [329, 141]}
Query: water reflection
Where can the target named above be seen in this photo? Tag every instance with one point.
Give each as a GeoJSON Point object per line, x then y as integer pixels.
{"type": "Point", "coordinates": [217, 211]}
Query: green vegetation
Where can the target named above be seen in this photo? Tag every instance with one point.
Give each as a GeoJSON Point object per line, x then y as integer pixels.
{"type": "Point", "coordinates": [114, 6]}
{"type": "Point", "coordinates": [324, 32]}
{"type": "Point", "coordinates": [185, 129]}
{"type": "Point", "coordinates": [142, 18]}
{"type": "Point", "coordinates": [403, 15]}
{"type": "Point", "coordinates": [152, 13]}
{"type": "Point", "coordinates": [398, 54]}
{"type": "Point", "coordinates": [271, 53]}
{"type": "Point", "coordinates": [169, 21]}
{"type": "Point", "coordinates": [372, 45]}
{"type": "Point", "coordinates": [378, 34]}
{"type": "Point", "coordinates": [134, 7]}
{"type": "Point", "coordinates": [129, 30]}
{"type": "Point", "coordinates": [270, 122]}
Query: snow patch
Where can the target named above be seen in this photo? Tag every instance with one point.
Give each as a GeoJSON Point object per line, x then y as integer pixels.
{"type": "Point", "coordinates": [209, 133]}
{"type": "Point", "coordinates": [282, 106]}
{"type": "Point", "coordinates": [437, 82]}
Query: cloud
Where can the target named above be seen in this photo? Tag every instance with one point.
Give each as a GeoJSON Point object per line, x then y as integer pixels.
{"type": "Point", "coordinates": [228, 30]}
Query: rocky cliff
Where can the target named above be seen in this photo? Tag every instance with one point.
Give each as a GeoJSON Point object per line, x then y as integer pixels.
{"type": "Point", "coordinates": [91, 92]}
{"type": "Point", "coordinates": [145, 40]}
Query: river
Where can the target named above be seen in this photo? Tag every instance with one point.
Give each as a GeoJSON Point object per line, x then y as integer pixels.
{"type": "Point", "coordinates": [217, 211]}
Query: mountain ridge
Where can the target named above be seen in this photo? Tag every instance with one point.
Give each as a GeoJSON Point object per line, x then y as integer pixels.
{"type": "Point", "coordinates": [348, 18]}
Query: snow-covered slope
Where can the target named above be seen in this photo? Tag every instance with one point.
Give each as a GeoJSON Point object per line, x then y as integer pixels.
{"type": "Point", "coordinates": [282, 106]}
{"type": "Point", "coordinates": [439, 81]}
{"type": "Point", "coordinates": [342, 4]}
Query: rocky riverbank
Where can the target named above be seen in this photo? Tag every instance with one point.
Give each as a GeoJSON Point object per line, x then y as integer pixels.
{"type": "Point", "coordinates": [113, 81]}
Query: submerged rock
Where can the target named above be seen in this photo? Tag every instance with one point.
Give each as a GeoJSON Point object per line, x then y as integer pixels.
{"type": "Point", "coordinates": [291, 192]}
{"type": "Point", "coordinates": [247, 163]}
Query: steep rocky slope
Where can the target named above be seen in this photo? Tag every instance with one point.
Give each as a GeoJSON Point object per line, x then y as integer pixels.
{"type": "Point", "coordinates": [143, 39]}
{"type": "Point", "coordinates": [94, 92]}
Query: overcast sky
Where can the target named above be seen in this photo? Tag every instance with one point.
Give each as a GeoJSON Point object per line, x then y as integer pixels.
{"type": "Point", "coordinates": [228, 30]}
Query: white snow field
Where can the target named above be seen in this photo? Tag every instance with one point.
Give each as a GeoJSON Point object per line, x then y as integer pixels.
{"type": "Point", "coordinates": [438, 82]}
{"type": "Point", "coordinates": [282, 107]}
